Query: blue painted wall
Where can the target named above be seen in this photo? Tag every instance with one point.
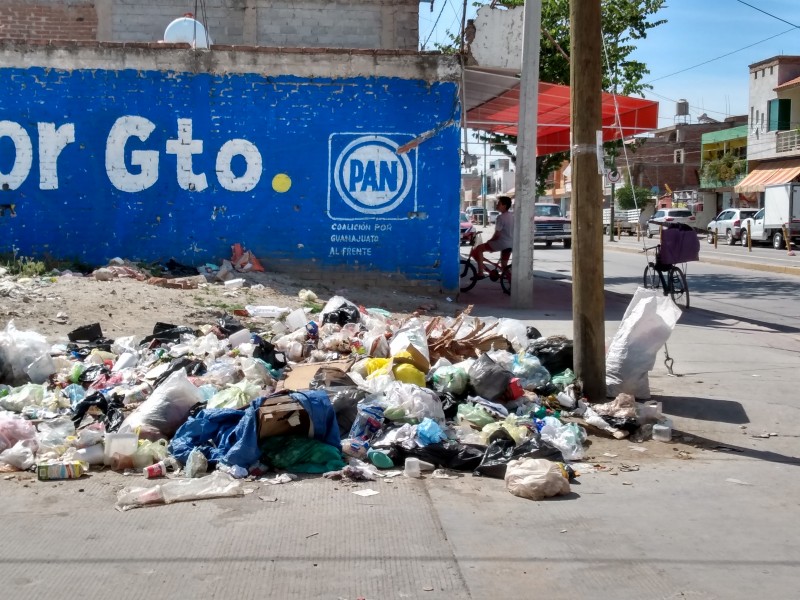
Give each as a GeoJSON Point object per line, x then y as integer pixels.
{"type": "Point", "coordinates": [153, 165]}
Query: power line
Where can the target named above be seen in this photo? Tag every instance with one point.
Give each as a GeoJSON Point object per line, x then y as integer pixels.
{"type": "Point", "coordinates": [767, 13]}
{"type": "Point", "coordinates": [794, 27]}
{"type": "Point", "coordinates": [435, 23]}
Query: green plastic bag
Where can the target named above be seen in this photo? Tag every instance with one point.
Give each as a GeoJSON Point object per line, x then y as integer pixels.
{"type": "Point", "coordinates": [301, 455]}
{"type": "Point", "coordinates": [474, 414]}
{"type": "Point", "coordinates": [563, 379]}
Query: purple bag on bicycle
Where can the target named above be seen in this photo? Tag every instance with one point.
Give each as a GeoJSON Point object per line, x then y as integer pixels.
{"type": "Point", "coordinates": [679, 245]}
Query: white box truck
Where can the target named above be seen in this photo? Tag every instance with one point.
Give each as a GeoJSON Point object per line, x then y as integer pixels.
{"type": "Point", "coordinates": [781, 213]}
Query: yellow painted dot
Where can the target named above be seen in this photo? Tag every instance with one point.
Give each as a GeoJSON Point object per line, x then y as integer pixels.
{"type": "Point", "coordinates": [281, 183]}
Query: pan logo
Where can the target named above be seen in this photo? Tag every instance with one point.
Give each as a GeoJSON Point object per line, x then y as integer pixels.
{"type": "Point", "coordinates": [369, 179]}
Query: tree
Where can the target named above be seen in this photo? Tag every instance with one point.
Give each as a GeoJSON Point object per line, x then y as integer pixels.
{"type": "Point", "coordinates": [624, 23]}
{"type": "Point", "coordinates": [625, 197]}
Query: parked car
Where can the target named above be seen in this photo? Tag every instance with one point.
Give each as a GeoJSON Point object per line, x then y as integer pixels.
{"type": "Point", "coordinates": [728, 224]}
{"type": "Point", "coordinates": [476, 215]}
{"type": "Point", "coordinates": [468, 230]}
{"type": "Point", "coordinates": [493, 214]}
{"type": "Point", "coordinates": [669, 215]}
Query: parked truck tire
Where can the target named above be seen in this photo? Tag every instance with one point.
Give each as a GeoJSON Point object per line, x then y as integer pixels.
{"type": "Point", "coordinates": [744, 237]}
{"type": "Point", "coordinates": [777, 240]}
{"type": "Point", "coordinates": [567, 244]}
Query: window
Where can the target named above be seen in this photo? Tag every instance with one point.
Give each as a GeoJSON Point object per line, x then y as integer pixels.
{"type": "Point", "coordinates": [678, 155]}
{"type": "Point", "coordinates": [755, 74]}
{"type": "Point", "coordinates": [779, 114]}
{"type": "Point", "coordinates": [770, 70]}
{"type": "Point", "coordinates": [755, 123]}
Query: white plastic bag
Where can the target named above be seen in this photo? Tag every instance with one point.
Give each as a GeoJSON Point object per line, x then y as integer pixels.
{"type": "Point", "coordinates": [412, 333]}
{"type": "Point", "coordinates": [30, 394]}
{"type": "Point", "coordinates": [235, 396]}
{"type": "Point", "coordinates": [20, 456]}
{"type": "Point", "coordinates": [23, 353]}
{"type": "Point", "coordinates": [165, 409]}
{"type": "Point", "coordinates": [535, 478]}
{"type": "Point", "coordinates": [407, 402]}
{"type": "Point", "coordinates": [567, 437]}
{"type": "Point", "coordinates": [516, 332]}
{"type": "Point", "coordinates": [216, 485]}
{"type": "Point", "coordinates": [645, 328]}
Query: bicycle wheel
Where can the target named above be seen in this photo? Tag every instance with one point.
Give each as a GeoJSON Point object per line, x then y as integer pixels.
{"type": "Point", "coordinates": [678, 288]}
{"type": "Point", "coordinates": [650, 279]}
{"type": "Point", "coordinates": [468, 275]}
{"type": "Point", "coordinates": [505, 280]}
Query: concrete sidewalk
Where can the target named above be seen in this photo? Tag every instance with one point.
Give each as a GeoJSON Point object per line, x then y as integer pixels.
{"type": "Point", "coordinates": [711, 515]}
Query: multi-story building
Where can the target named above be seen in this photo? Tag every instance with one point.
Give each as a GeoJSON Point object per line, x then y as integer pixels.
{"type": "Point", "coordinates": [773, 129]}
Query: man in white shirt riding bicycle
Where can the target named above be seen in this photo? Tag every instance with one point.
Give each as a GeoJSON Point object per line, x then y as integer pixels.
{"type": "Point", "coordinates": [502, 239]}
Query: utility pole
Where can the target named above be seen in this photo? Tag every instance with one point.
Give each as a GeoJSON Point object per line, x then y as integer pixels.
{"type": "Point", "coordinates": [525, 185]}
{"type": "Point", "coordinates": [588, 298]}
{"type": "Point", "coordinates": [612, 222]}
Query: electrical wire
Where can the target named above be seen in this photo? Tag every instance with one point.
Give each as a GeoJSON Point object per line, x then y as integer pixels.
{"type": "Point", "coordinates": [769, 14]}
{"type": "Point", "coordinates": [710, 60]}
{"type": "Point", "coordinates": [435, 23]}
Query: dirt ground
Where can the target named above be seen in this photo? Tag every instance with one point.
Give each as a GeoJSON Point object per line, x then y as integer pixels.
{"type": "Point", "coordinates": [54, 306]}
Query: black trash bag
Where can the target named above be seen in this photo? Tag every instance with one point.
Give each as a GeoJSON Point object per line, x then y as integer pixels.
{"type": "Point", "coordinates": [346, 313]}
{"type": "Point", "coordinates": [449, 404]}
{"type": "Point", "coordinates": [85, 349]}
{"type": "Point", "coordinates": [448, 455]}
{"type": "Point", "coordinates": [86, 333]}
{"type": "Point", "coordinates": [344, 401]}
{"type": "Point", "coordinates": [93, 373]}
{"type": "Point", "coordinates": [194, 367]}
{"type": "Point", "coordinates": [626, 423]}
{"type": "Point", "coordinates": [548, 389]}
{"type": "Point", "coordinates": [176, 269]}
{"type": "Point", "coordinates": [502, 449]}
{"type": "Point", "coordinates": [266, 351]}
{"type": "Point", "coordinates": [554, 352]}
{"type": "Point", "coordinates": [164, 332]}
{"type": "Point", "coordinates": [228, 325]}
{"type": "Point", "coordinates": [110, 407]}
{"type": "Point", "coordinates": [330, 377]}
{"type": "Point", "coordinates": [532, 333]}
{"type": "Point", "coordinates": [488, 379]}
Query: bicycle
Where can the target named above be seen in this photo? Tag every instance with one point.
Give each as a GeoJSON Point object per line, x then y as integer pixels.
{"type": "Point", "coordinates": [674, 283]}
{"type": "Point", "coordinates": [468, 272]}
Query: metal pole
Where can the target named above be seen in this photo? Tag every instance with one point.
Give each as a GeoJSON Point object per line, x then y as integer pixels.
{"type": "Point", "coordinates": [525, 185]}
{"type": "Point", "coordinates": [588, 293]}
{"type": "Point", "coordinates": [613, 221]}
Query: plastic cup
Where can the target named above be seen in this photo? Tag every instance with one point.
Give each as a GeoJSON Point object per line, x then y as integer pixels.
{"type": "Point", "coordinates": [412, 468]}
{"type": "Point", "coordinates": [157, 470]}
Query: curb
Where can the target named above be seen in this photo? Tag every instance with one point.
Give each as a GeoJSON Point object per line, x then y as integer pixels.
{"type": "Point", "coordinates": [740, 264]}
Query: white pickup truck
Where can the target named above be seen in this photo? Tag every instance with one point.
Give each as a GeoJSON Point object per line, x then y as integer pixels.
{"type": "Point", "coordinates": [781, 213]}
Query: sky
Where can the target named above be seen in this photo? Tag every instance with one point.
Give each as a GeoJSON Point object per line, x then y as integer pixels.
{"type": "Point", "coordinates": [701, 54]}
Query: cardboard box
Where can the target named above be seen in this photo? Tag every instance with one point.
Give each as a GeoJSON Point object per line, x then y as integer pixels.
{"type": "Point", "coordinates": [301, 376]}
{"type": "Point", "coordinates": [281, 415]}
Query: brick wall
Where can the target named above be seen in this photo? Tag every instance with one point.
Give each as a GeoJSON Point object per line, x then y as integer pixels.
{"type": "Point", "coordinates": [48, 20]}
{"type": "Point", "coordinates": [384, 24]}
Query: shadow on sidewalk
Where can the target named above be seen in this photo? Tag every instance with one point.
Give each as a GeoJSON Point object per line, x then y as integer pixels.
{"type": "Point", "coordinates": [703, 409]}
{"type": "Point", "coordinates": [733, 449]}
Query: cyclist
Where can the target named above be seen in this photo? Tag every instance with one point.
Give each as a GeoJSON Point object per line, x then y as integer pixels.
{"type": "Point", "coordinates": [502, 239]}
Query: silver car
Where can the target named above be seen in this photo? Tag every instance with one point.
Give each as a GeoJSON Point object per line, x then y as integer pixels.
{"type": "Point", "coordinates": [728, 224]}
{"type": "Point", "coordinates": [667, 216]}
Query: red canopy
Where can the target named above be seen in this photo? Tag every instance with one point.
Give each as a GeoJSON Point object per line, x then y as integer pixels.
{"type": "Point", "coordinates": [500, 114]}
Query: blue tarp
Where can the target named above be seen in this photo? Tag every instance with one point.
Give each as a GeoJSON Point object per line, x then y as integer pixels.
{"type": "Point", "coordinates": [231, 436]}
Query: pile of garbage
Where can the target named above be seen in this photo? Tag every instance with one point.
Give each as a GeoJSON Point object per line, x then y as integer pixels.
{"type": "Point", "coordinates": [350, 392]}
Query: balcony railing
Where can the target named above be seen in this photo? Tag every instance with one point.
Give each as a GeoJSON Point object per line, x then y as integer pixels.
{"type": "Point", "coordinates": [787, 141]}
{"type": "Point", "coordinates": [711, 184]}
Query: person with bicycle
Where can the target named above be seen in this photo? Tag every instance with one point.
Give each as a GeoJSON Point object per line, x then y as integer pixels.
{"type": "Point", "coordinates": [502, 239]}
